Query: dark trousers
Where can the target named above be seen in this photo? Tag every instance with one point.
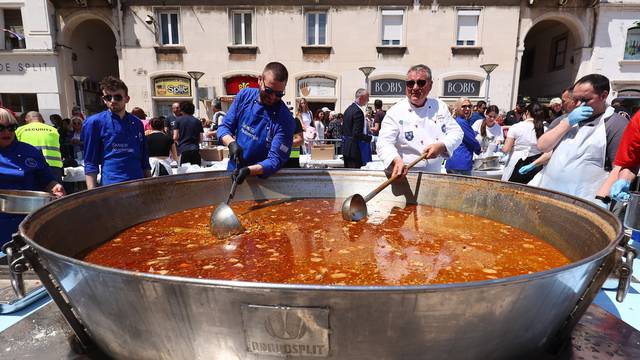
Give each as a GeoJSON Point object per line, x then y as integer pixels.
{"type": "Point", "coordinates": [191, 156]}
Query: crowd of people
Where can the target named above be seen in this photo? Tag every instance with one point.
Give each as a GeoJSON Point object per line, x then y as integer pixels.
{"type": "Point", "coordinates": [578, 144]}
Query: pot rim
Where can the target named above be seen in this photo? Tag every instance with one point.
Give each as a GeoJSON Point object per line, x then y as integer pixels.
{"type": "Point", "coordinates": [610, 248]}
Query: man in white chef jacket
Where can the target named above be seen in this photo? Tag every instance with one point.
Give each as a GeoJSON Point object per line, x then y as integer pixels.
{"type": "Point", "coordinates": [417, 125]}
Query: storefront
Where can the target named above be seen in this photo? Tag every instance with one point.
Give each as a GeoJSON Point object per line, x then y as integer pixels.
{"type": "Point", "coordinates": [29, 83]}
{"type": "Point", "coordinates": [318, 90]}
{"type": "Point", "coordinates": [168, 89]}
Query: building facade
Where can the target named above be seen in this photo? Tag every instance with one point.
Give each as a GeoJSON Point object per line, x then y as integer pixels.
{"type": "Point", "coordinates": [29, 67]}
{"type": "Point", "coordinates": [539, 46]}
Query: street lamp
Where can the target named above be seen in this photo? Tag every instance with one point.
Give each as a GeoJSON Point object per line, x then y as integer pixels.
{"type": "Point", "coordinates": [79, 79]}
{"type": "Point", "coordinates": [196, 75]}
{"type": "Point", "coordinates": [488, 68]}
{"type": "Point", "coordinates": [366, 70]}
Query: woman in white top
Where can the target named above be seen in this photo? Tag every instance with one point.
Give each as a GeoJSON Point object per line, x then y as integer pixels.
{"type": "Point", "coordinates": [488, 130]}
{"type": "Point", "coordinates": [304, 114]}
{"type": "Point", "coordinates": [318, 123]}
{"type": "Point", "coordinates": [521, 144]}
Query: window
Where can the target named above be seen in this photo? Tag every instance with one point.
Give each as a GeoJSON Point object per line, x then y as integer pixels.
{"type": "Point", "coordinates": [316, 28]}
{"type": "Point", "coordinates": [13, 31]}
{"type": "Point", "coordinates": [632, 46]}
{"type": "Point", "coordinates": [468, 27]}
{"type": "Point", "coordinates": [242, 27]}
{"type": "Point", "coordinates": [558, 52]}
{"type": "Point", "coordinates": [169, 27]}
{"type": "Point", "coordinates": [392, 23]}
{"type": "Point", "coordinates": [19, 103]}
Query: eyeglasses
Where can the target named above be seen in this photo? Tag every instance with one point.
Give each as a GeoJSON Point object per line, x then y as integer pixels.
{"type": "Point", "coordinates": [116, 97]}
{"type": "Point", "coordinates": [412, 83]}
{"type": "Point", "coordinates": [466, 106]}
{"type": "Point", "coordinates": [10, 128]}
{"type": "Point", "coordinates": [270, 91]}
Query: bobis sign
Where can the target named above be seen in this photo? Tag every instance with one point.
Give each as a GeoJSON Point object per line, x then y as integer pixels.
{"type": "Point", "coordinates": [388, 87]}
{"type": "Point", "coordinates": [461, 87]}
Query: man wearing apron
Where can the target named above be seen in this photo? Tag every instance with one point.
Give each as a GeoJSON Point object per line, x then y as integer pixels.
{"type": "Point", "coordinates": [417, 125]}
{"type": "Point", "coordinates": [584, 144]}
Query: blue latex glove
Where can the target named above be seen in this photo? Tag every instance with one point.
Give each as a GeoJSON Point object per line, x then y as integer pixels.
{"type": "Point", "coordinates": [620, 190]}
{"type": "Point", "coordinates": [581, 113]}
{"type": "Point", "coordinates": [526, 169]}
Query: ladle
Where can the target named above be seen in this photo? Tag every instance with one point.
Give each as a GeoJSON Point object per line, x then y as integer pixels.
{"type": "Point", "coordinates": [224, 222]}
{"type": "Point", "coordinates": [354, 208]}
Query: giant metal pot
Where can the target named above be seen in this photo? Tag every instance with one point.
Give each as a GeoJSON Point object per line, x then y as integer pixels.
{"type": "Point", "coordinates": [143, 316]}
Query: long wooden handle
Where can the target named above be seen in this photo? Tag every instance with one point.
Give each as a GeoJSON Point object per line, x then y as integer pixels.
{"type": "Point", "coordinates": [382, 186]}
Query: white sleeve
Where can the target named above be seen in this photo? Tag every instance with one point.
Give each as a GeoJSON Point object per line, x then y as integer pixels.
{"type": "Point", "coordinates": [501, 134]}
{"type": "Point", "coordinates": [453, 134]}
{"type": "Point", "coordinates": [476, 126]}
{"type": "Point", "coordinates": [387, 139]}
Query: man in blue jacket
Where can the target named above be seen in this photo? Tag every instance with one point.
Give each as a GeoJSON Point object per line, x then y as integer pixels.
{"type": "Point", "coordinates": [258, 128]}
{"type": "Point", "coordinates": [114, 139]}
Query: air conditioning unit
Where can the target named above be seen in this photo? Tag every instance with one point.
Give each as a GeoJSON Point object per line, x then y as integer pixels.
{"type": "Point", "coordinates": [207, 93]}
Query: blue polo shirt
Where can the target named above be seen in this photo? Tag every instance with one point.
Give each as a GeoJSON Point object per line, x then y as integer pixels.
{"type": "Point", "coordinates": [119, 145]}
{"type": "Point", "coordinates": [265, 133]}
{"type": "Point", "coordinates": [22, 167]}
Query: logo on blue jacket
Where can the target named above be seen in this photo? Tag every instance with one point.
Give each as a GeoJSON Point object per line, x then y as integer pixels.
{"type": "Point", "coordinates": [408, 135]}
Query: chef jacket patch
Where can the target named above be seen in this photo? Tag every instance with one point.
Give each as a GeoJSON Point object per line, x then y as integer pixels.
{"type": "Point", "coordinates": [443, 128]}
{"type": "Point", "coordinates": [408, 135]}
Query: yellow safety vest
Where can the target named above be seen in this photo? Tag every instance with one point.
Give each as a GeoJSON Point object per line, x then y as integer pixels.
{"type": "Point", "coordinates": [45, 138]}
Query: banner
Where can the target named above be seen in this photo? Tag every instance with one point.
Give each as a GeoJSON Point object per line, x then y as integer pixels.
{"type": "Point", "coordinates": [173, 86]}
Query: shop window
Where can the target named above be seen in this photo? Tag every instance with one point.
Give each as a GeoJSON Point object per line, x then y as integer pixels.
{"type": "Point", "coordinates": [13, 30]}
{"type": "Point", "coordinates": [468, 27]}
{"type": "Point", "coordinates": [242, 25]}
{"type": "Point", "coordinates": [558, 52]}
{"type": "Point", "coordinates": [316, 28]}
{"type": "Point", "coordinates": [632, 46]}
{"type": "Point", "coordinates": [19, 103]}
{"type": "Point", "coordinates": [169, 27]}
{"type": "Point", "coordinates": [392, 27]}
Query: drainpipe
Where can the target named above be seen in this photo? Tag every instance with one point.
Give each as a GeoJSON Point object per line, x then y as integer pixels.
{"type": "Point", "coordinates": [515, 80]}
{"type": "Point", "coordinates": [120, 12]}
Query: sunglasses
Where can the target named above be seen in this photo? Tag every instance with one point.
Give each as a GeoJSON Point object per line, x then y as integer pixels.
{"type": "Point", "coordinates": [412, 83]}
{"type": "Point", "coordinates": [270, 91]}
{"type": "Point", "coordinates": [466, 106]}
{"type": "Point", "coordinates": [8, 128]}
{"type": "Point", "coordinates": [116, 97]}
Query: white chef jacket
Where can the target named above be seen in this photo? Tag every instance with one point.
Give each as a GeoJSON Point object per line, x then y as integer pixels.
{"type": "Point", "coordinates": [407, 130]}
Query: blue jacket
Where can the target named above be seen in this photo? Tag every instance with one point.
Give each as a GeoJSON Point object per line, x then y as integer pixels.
{"type": "Point", "coordinates": [119, 145]}
{"type": "Point", "coordinates": [462, 157]}
{"type": "Point", "coordinates": [22, 167]}
{"type": "Point", "coordinates": [264, 133]}
{"type": "Point", "coordinates": [475, 117]}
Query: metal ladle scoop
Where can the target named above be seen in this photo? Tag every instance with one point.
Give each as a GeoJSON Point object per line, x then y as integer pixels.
{"type": "Point", "coordinates": [354, 208]}
{"type": "Point", "coordinates": [224, 222]}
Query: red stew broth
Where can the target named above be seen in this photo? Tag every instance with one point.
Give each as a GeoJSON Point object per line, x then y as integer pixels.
{"type": "Point", "coordinates": [306, 241]}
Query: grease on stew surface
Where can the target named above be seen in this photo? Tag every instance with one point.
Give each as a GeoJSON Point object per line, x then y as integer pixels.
{"type": "Point", "coordinates": [306, 241]}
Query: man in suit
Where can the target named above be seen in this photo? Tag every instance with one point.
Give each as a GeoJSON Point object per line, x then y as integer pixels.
{"type": "Point", "coordinates": [353, 131]}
